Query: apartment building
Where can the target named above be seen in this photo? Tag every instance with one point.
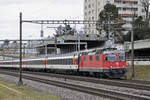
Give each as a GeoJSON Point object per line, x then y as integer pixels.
{"type": "Point", "coordinates": [126, 9]}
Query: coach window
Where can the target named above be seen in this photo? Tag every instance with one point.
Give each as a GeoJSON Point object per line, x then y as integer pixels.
{"type": "Point", "coordinates": [52, 62]}
{"type": "Point", "coordinates": [97, 58]}
{"type": "Point", "coordinates": [84, 58]}
{"type": "Point", "coordinates": [91, 58]}
{"type": "Point", "coordinates": [49, 61]}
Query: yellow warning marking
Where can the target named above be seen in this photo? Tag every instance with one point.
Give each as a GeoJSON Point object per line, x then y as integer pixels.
{"type": "Point", "coordinates": [11, 89]}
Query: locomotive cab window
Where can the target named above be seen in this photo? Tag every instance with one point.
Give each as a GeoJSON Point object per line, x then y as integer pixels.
{"type": "Point", "coordinates": [110, 58]}
{"type": "Point", "coordinates": [97, 58]}
{"type": "Point", "coordinates": [121, 57]}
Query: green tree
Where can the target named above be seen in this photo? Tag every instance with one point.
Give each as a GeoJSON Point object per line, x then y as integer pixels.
{"type": "Point", "coordinates": [146, 4]}
{"type": "Point", "coordinates": [109, 14]}
{"type": "Point", "coordinates": [109, 10]}
{"type": "Point", "coordinates": [140, 31]}
{"type": "Point", "coordinates": [139, 23]}
{"type": "Point", "coordinates": [110, 21]}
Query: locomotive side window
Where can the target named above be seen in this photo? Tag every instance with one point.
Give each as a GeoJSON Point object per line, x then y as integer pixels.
{"type": "Point", "coordinates": [84, 58]}
{"type": "Point", "coordinates": [97, 58]}
{"type": "Point", "coordinates": [90, 58]}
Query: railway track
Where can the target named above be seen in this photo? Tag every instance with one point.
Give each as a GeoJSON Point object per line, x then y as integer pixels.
{"type": "Point", "coordinates": [90, 90]}
{"type": "Point", "coordinates": [133, 84]}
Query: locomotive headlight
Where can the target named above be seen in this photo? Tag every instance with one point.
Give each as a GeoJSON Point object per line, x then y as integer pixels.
{"type": "Point", "coordinates": [110, 67]}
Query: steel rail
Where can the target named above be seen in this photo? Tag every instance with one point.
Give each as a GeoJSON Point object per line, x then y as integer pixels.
{"type": "Point", "coordinates": [133, 84]}
{"type": "Point", "coordinates": [93, 91]}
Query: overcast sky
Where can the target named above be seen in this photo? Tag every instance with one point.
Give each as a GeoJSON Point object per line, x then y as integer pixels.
{"type": "Point", "coordinates": [35, 9]}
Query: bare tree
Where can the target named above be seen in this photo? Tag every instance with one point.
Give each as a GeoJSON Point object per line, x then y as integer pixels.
{"type": "Point", "coordinates": [67, 30]}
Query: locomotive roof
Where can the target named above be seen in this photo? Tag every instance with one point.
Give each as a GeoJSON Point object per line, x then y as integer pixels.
{"type": "Point", "coordinates": [115, 51]}
{"type": "Point", "coordinates": [103, 51]}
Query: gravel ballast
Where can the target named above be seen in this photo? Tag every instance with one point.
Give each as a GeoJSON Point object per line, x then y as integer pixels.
{"type": "Point", "coordinates": [67, 94]}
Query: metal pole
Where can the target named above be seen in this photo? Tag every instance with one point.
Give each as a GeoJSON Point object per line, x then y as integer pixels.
{"type": "Point", "coordinates": [46, 50]}
{"type": "Point", "coordinates": [76, 40]}
{"type": "Point", "coordinates": [86, 46]}
{"type": "Point", "coordinates": [96, 13]}
{"type": "Point", "coordinates": [24, 51]}
{"type": "Point", "coordinates": [55, 44]}
{"type": "Point", "coordinates": [132, 51]}
{"type": "Point", "coordinates": [42, 32]}
{"type": "Point", "coordinates": [20, 64]}
{"type": "Point", "coordinates": [79, 42]}
{"type": "Point", "coordinates": [132, 55]}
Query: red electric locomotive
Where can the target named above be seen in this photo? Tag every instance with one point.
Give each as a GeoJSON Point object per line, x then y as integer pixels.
{"type": "Point", "coordinates": [107, 63]}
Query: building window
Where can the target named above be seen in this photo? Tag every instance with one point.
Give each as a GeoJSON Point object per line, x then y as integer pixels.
{"type": "Point", "coordinates": [89, 6]}
{"type": "Point", "coordinates": [117, 1]}
{"type": "Point", "coordinates": [92, 31]}
{"type": "Point", "coordinates": [130, 2]}
{"type": "Point", "coordinates": [98, 10]}
{"type": "Point", "coordinates": [89, 25]}
{"type": "Point", "coordinates": [93, 5]}
{"type": "Point", "coordinates": [92, 11]}
{"type": "Point", "coordinates": [85, 7]}
{"type": "Point", "coordinates": [89, 12]}
{"type": "Point", "coordinates": [89, 19]}
{"type": "Point", "coordinates": [89, 31]}
{"type": "Point", "coordinates": [92, 18]}
{"type": "Point", "coordinates": [119, 8]}
{"type": "Point", "coordinates": [143, 10]}
{"type": "Point", "coordinates": [98, 3]}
